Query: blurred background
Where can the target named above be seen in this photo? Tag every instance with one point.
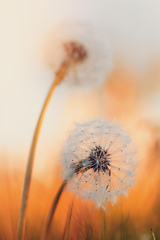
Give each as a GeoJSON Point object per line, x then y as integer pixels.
{"type": "Point", "coordinates": [130, 95]}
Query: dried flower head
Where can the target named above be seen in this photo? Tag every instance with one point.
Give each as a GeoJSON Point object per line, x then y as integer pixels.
{"type": "Point", "coordinates": [88, 56]}
{"type": "Point", "coordinates": [99, 160]}
{"type": "Point", "coordinates": [75, 52]}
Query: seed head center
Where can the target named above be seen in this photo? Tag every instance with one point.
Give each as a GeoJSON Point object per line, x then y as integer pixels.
{"type": "Point", "coordinates": [98, 161]}
{"type": "Point", "coordinates": [75, 51]}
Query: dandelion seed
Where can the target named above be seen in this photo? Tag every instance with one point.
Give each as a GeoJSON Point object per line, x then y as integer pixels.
{"type": "Point", "coordinates": [88, 58]}
{"type": "Point", "coordinates": [99, 170]}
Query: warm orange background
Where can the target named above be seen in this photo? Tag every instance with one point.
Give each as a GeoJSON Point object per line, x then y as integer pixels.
{"type": "Point", "coordinates": [120, 100]}
{"type": "Point", "coordinates": [129, 95]}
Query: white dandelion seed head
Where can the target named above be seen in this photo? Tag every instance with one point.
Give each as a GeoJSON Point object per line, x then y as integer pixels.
{"type": "Point", "coordinates": [99, 160]}
{"type": "Point", "coordinates": [96, 52]}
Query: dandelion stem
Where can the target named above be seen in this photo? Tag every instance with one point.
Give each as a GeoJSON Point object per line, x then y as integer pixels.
{"type": "Point", "coordinates": [48, 222]}
{"type": "Point", "coordinates": [68, 223]}
{"type": "Point", "coordinates": [24, 202]}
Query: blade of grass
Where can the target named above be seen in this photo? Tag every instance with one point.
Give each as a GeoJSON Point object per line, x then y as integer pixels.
{"type": "Point", "coordinates": [47, 226]}
{"type": "Point", "coordinates": [104, 234]}
{"type": "Point", "coordinates": [24, 202]}
{"type": "Point", "coordinates": [153, 235]}
{"type": "Point", "coordinates": [68, 223]}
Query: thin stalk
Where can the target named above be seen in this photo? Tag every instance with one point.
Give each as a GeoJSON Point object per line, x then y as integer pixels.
{"type": "Point", "coordinates": [153, 235]}
{"type": "Point", "coordinates": [68, 223]}
{"type": "Point", "coordinates": [24, 203]}
{"type": "Point", "coordinates": [47, 227]}
{"type": "Point", "coordinates": [48, 222]}
{"type": "Point", "coordinates": [104, 233]}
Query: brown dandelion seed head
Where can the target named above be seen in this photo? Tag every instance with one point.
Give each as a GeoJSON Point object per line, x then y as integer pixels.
{"type": "Point", "coordinates": [98, 160]}
{"type": "Point", "coordinates": [75, 51]}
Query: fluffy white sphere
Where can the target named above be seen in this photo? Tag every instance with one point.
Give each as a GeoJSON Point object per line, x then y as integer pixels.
{"type": "Point", "coordinates": [96, 65]}
{"type": "Point", "coordinates": [99, 160]}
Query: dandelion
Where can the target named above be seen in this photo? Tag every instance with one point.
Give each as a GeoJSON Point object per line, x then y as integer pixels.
{"type": "Point", "coordinates": [69, 57]}
{"type": "Point", "coordinates": [102, 157]}
{"type": "Point", "coordinates": [88, 55]}
{"type": "Point", "coordinates": [99, 161]}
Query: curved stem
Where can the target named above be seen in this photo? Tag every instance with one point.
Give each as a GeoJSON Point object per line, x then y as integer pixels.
{"type": "Point", "coordinates": [68, 223]}
{"type": "Point", "coordinates": [24, 203]}
{"type": "Point", "coordinates": [47, 227]}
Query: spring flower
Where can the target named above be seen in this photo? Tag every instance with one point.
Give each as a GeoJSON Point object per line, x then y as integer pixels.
{"type": "Point", "coordinates": [99, 160]}
{"type": "Point", "coordinates": [87, 56]}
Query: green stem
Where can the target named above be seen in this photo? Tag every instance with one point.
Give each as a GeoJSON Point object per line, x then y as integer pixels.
{"type": "Point", "coordinates": [24, 203]}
